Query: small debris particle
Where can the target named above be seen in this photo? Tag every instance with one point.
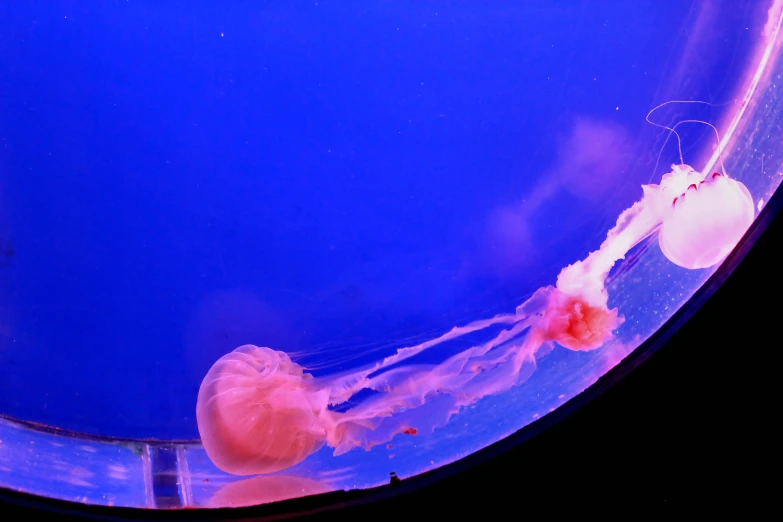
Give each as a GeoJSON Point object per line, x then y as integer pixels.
{"type": "Point", "coordinates": [410, 431]}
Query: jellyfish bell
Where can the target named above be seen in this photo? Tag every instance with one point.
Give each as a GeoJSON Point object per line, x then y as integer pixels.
{"type": "Point", "coordinates": [702, 217]}
{"type": "Point", "coordinates": [705, 220]}
{"type": "Point", "coordinates": [257, 412]}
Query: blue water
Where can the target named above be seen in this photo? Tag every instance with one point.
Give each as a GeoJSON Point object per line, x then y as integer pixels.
{"type": "Point", "coordinates": [331, 179]}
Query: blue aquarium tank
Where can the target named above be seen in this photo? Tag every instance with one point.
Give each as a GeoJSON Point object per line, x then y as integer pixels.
{"type": "Point", "coordinates": [256, 251]}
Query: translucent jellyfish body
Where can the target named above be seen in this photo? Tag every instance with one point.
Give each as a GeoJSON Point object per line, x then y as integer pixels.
{"type": "Point", "coordinates": [706, 221]}
{"type": "Point", "coordinates": [259, 412]}
{"type": "Point", "coordinates": [256, 412]}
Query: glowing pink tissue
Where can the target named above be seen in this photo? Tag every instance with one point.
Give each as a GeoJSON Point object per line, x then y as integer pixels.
{"type": "Point", "coordinates": [256, 412]}
{"type": "Point", "coordinates": [259, 412]}
{"type": "Point", "coordinates": [706, 221]}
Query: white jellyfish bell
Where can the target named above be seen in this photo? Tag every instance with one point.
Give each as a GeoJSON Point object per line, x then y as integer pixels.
{"type": "Point", "coordinates": [702, 217]}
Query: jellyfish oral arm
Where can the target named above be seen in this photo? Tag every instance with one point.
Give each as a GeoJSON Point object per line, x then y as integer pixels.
{"type": "Point", "coordinates": [343, 386]}
{"type": "Point", "coordinates": [587, 277]}
{"type": "Point", "coordinates": [423, 397]}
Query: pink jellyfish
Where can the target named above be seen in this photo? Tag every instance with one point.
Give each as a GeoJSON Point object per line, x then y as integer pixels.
{"type": "Point", "coordinates": [257, 412]}
{"type": "Point", "coordinates": [260, 412]}
{"type": "Point", "coordinates": [420, 398]}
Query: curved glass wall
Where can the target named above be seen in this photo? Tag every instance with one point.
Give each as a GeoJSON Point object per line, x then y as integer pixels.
{"type": "Point", "coordinates": [390, 196]}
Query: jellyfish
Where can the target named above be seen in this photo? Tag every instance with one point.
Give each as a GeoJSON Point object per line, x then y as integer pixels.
{"type": "Point", "coordinates": [706, 221]}
{"type": "Point", "coordinates": [259, 412]}
{"type": "Point", "coordinates": [419, 398]}
{"type": "Point", "coordinates": [703, 217]}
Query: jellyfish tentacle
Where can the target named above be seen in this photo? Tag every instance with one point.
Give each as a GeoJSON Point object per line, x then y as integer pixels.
{"type": "Point", "coordinates": [672, 130]}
